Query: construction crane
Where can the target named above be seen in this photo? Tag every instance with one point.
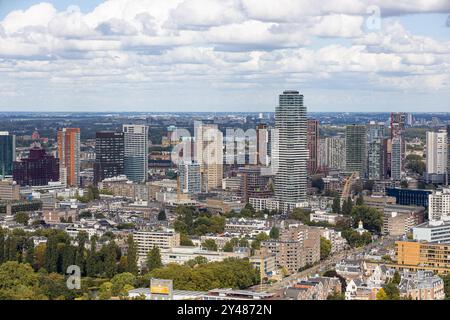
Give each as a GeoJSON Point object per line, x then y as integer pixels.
{"type": "Point", "coordinates": [348, 185]}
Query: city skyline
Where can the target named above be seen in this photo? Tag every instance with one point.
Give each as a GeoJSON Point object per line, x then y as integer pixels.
{"type": "Point", "coordinates": [128, 55]}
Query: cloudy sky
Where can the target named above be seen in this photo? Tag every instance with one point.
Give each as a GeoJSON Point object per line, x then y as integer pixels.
{"type": "Point", "coordinates": [224, 55]}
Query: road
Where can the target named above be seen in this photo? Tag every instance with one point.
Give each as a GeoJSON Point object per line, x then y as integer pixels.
{"type": "Point", "coordinates": [323, 266]}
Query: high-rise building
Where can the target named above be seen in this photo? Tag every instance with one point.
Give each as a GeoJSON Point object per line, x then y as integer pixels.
{"type": "Point", "coordinates": [398, 121]}
{"type": "Point", "coordinates": [437, 157]}
{"type": "Point", "coordinates": [190, 178]}
{"type": "Point", "coordinates": [439, 205]}
{"type": "Point", "coordinates": [336, 153]}
{"type": "Point", "coordinates": [69, 156]}
{"type": "Point", "coordinates": [396, 158]}
{"type": "Point", "coordinates": [209, 154]}
{"type": "Point", "coordinates": [136, 152]}
{"type": "Point", "coordinates": [7, 153]}
{"type": "Point", "coordinates": [448, 154]}
{"type": "Point", "coordinates": [109, 155]}
{"type": "Point", "coordinates": [356, 149]}
{"type": "Point", "coordinates": [38, 169]}
{"type": "Point", "coordinates": [375, 165]}
{"type": "Point", "coordinates": [291, 151]}
{"type": "Point", "coordinates": [375, 131]}
{"type": "Point", "coordinates": [263, 146]}
{"type": "Point", "coordinates": [313, 145]}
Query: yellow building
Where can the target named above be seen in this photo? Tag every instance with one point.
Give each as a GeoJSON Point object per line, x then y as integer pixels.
{"type": "Point", "coordinates": [423, 256]}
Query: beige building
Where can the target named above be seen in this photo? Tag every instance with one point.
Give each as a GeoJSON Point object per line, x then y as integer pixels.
{"type": "Point", "coordinates": [209, 154]}
{"type": "Point", "coordinates": [147, 240]}
{"type": "Point", "coordinates": [264, 261]}
{"type": "Point", "coordinates": [399, 220]}
{"type": "Point", "coordinates": [297, 246]}
{"type": "Point", "coordinates": [9, 190]}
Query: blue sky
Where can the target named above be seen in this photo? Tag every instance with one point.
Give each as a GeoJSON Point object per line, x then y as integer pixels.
{"type": "Point", "coordinates": [220, 55]}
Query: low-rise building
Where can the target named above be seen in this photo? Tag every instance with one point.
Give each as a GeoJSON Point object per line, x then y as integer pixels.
{"type": "Point", "coordinates": [426, 256]}
{"type": "Point", "coordinates": [399, 220]}
{"type": "Point", "coordinates": [181, 255]}
{"type": "Point", "coordinates": [421, 285]}
{"type": "Point", "coordinates": [147, 240]}
{"type": "Point", "coordinates": [433, 231]}
{"type": "Point", "coordinates": [323, 216]}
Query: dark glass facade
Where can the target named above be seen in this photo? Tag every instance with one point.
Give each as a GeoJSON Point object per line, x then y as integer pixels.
{"type": "Point", "coordinates": [7, 153]}
{"type": "Point", "coordinates": [408, 197]}
{"type": "Point", "coordinates": [109, 155]}
{"type": "Point", "coordinates": [38, 169]}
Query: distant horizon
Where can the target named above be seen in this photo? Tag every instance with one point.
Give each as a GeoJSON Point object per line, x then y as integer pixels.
{"type": "Point", "coordinates": [213, 112]}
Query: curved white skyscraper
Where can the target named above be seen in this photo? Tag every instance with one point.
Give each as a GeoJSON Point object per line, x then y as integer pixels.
{"type": "Point", "coordinates": [291, 151]}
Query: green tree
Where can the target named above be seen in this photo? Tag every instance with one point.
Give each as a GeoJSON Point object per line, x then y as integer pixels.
{"type": "Point", "coordinates": [317, 182]}
{"type": "Point", "coordinates": [185, 240]}
{"type": "Point", "coordinates": [119, 281]}
{"type": "Point", "coordinates": [209, 244]}
{"type": "Point", "coordinates": [381, 295]}
{"type": "Point", "coordinates": [80, 258]}
{"type": "Point", "coordinates": [92, 260]}
{"type": "Point", "coordinates": [336, 296]}
{"type": "Point", "coordinates": [132, 258]}
{"type": "Point", "coordinates": [229, 246]}
{"type": "Point", "coordinates": [337, 204]}
{"type": "Point", "coordinates": [360, 201]}
{"type": "Point", "coordinates": [105, 291]}
{"type": "Point", "coordinates": [18, 281]}
{"type": "Point", "coordinates": [372, 218]}
{"type": "Point", "coordinates": [397, 278]}
{"type": "Point", "coordinates": [22, 218]}
{"type": "Point", "coordinates": [392, 291]}
{"type": "Point", "coordinates": [274, 233]}
{"type": "Point", "coordinates": [154, 259]}
{"type": "Point", "coordinates": [51, 254]}
{"type": "Point", "coordinates": [347, 206]}
{"type": "Point", "coordinates": [260, 237]}
{"type": "Point", "coordinates": [325, 248]}
{"type": "Point", "coordinates": [2, 246]}
{"type": "Point", "coordinates": [162, 215]}
{"type": "Point", "coordinates": [110, 259]}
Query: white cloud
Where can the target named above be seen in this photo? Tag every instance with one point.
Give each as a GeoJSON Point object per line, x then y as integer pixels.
{"type": "Point", "coordinates": [230, 43]}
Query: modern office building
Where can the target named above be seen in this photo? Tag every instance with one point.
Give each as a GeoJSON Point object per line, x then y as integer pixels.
{"type": "Point", "coordinates": [356, 149]}
{"type": "Point", "coordinates": [189, 177]}
{"type": "Point", "coordinates": [433, 231]}
{"type": "Point", "coordinates": [136, 152]}
{"type": "Point", "coordinates": [409, 197]}
{"type": "Point", "coordinates": [313, 145]}
{"type": "Point", "coordinates": [439, 205]}
{"type": "Point", "coordinates": [209, 154]}
{"type": "Point", "coordinates": [7, 153]}
{"type": "Point", "coordinates": [69, 156]}
{"type": "Point", "coordinates": [109, 155]}
{"type": "Point", "coordinates": [437, 157]}
{"type": "Point", "coordinates": [38, 169]}
{"type": "Point", "coordinates": [336, 153]}
{"type": "Point", "coordinates": [291, 153]}
{"type": "Point", "coordinates": [396, 159]}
